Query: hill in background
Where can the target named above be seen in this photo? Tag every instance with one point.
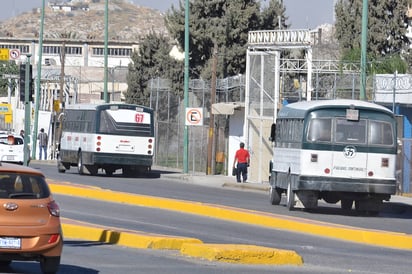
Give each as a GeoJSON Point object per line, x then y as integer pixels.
{"type": "Point", "coordinates": [85, 20]}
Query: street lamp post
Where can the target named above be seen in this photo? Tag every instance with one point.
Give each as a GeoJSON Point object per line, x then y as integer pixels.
{"type": "Point", "coordinates": [364, 41]}
{"type": "Point", "coordinates": [27, 112]}
{"type": "Point", "coordinates": [186, 88]}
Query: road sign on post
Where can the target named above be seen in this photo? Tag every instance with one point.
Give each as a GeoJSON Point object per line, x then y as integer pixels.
{"type": "Point", "coordinates": [4, 55]}
{"type": "Point", "coordinates": [14, 54]}
{"type": "Point", "coordinates": [194, 117]}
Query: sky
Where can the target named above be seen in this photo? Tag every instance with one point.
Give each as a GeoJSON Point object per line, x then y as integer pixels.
{"type": "Point", "coordinates": [302, 14]}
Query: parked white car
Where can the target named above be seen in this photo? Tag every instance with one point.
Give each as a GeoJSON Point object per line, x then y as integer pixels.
{"type": "Point", "coordinates": [11, 148]}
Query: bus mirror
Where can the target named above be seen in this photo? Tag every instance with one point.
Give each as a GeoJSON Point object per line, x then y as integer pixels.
{"type": "Point", "coordinates": [272, 133]}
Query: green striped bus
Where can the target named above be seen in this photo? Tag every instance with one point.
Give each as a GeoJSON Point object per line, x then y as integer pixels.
{"type": "Point", "coordinates": [336, 150]}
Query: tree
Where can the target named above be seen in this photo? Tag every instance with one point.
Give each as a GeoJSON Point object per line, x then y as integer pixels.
{"type": "Point", "coordinates": [387, 26]}
{"type": "Point", "coordinates": [226, 23]}
{"type": "Point", "coordinates": [7, 68]}
{"type": "Point", "coordinates": [152, 60]}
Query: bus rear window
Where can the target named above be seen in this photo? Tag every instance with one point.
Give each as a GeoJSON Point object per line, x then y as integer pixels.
{"type": "Point", "coordinates": [125, 122]}
{"type": "Point", "coordinates": [381, 133]}
{"type": "Point", "coordinates": [320, 130]}
{"type": "Point", "coordinates": [352, 132]}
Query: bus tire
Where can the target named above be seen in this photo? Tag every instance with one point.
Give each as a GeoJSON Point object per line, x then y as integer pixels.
{"type": "Point", "coordinates": [290, 196]}
{"type": "Point", "coordinates": [346, 204]}
{"type": "Point", "coordinates": [60, 167]}
{"type": "Point", "coordinates": [92, 169]}
{"type": "Point", "coordinates": [275, 195]}
{"type": "Point", "coordinates": [80, 166]}
{"type": "Point", "coordinates": [109, 171]}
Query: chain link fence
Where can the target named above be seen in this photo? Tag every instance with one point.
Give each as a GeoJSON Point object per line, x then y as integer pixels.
{"type": "Point", "coordinates": [170, 122]}
{"type": "Point", "coordinates": [170, 118]}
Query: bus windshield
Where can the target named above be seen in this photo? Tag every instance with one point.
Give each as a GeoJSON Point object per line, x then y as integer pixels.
{"type": "Point", "coordinates": [352, 132]}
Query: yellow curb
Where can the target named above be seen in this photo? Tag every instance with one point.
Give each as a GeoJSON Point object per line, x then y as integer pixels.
{"type": "Point", "coordinates": [245, 254]}
{"type": "Point", "coordinates": [365, 236]}
{"type": "Point", "coordinates": [126, 239]}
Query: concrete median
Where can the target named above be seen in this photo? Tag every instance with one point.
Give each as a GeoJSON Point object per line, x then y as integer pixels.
{"type": "Point", "coordinates": [230, 253]}
{"type": "Point", "coordinates": [191, 247]}
{"type": "Point", "coordinates": [234, 253]}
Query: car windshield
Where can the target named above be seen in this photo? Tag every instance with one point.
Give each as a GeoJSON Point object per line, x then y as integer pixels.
{"type": "Point", "coordinates": [11, 140]}
{"type": "Point", "coordinates": [22, 186]}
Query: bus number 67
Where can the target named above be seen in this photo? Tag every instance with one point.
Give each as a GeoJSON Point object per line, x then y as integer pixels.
{"type": "Point", "coordinates": [139, 118]}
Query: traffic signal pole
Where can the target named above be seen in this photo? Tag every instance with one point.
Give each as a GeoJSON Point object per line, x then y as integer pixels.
{"type": "Point", "coordinates": [27, 81]}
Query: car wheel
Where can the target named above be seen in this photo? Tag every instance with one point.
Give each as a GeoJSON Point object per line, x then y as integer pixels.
{"type": "Point", "coordinates": [50, 265]}
{"type": "Point", "coordinates": [80, 166]}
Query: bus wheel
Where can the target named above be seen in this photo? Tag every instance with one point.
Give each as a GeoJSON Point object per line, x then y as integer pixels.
{"type": "Point", "coordinates": [290, 195]}
{"type": "Point", "coordinates": [93, 170]}
{"type": "Point", "coordinates": [346, 204]}
{"type": "Point", "coordinates": [109, 171]}
{"type": "Point", "coordinates": [369, 207]}
{"type": "Point", "coordinates": [275, 195]}
{"type": "Point", "coordinates": [80, 166]}
{"type": "Point", "coordinates": [60, 167]}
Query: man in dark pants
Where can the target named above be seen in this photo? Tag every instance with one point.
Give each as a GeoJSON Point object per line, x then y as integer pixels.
{"type": "Point", "coordinates": [242, 158]}
{"type": "Point", "coordinates": [43, 141]}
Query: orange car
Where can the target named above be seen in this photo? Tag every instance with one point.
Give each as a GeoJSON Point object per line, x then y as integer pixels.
{"type": "Point", "coordinates": [30, 228]}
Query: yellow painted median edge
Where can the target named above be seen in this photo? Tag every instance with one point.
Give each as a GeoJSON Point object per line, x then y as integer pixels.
{"type": "Point", "coordinates": [127, 239]}
{"type": "Point", "coordinates": [191, 247]}
{"type": "Point", "coordinates": [365, 236]}
{"type": "Point", "coordinates": [245, 254]}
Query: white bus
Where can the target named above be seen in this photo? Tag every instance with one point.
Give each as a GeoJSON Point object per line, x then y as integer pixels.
{"type": "Point", "coordinates": [107, 136]}
{"type": "Point", "coordinates": [335, 150]}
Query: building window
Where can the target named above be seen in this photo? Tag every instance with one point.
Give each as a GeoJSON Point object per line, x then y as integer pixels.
{"type": "Point", "coordinates": [113, 51]}
{"type": "Point", "coordinates": [24, 49]}
{"type": "Point", "coordinates": [55, 50]}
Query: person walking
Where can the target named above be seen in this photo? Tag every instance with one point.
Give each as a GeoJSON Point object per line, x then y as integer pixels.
{"type": "Point", "coordinates": [242, 159]}
{"type": "Point", "coordinates": [43, 140]}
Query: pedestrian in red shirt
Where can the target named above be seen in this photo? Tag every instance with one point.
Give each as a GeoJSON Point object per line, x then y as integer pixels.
{"type": "Point", "coordinates": [242, 158]}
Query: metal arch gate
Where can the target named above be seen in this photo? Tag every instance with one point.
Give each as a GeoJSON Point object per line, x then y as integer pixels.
{"type": "Point", "coordinates": [262, 90]}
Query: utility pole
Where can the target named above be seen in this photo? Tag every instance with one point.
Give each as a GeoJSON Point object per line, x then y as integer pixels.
{"type": "Point", "coordinates": [62, 62]}
{"type": "Point", "coordinates": [27, 123]}
{"type": "Point", "coordinates": [212, 118]}
{"type": "Point", "coordinates": [38, 82]}
{"type": "Point", "coordinates": [364, 41]}
{"type": "Point", "coordinates": [186, 90]}
{"type": "Point", "coordinates": [106, 50]}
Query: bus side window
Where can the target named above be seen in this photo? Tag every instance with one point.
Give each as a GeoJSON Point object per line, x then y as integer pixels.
{"type": "Point", "coordinates": [387, 135]}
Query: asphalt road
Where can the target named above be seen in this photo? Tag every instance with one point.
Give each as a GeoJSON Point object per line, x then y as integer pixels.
{"type": "Point", "coordinates": [395, 215]}
{"type": "Point", "coordinates": [321, 255]}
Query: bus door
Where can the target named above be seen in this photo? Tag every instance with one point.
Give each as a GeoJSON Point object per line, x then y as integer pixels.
{"type": "Point", "coordinates": [350, 155]}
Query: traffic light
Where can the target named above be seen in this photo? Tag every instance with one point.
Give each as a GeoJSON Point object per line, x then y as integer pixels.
{"type": "Point", "coordinates": [23, 82]}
